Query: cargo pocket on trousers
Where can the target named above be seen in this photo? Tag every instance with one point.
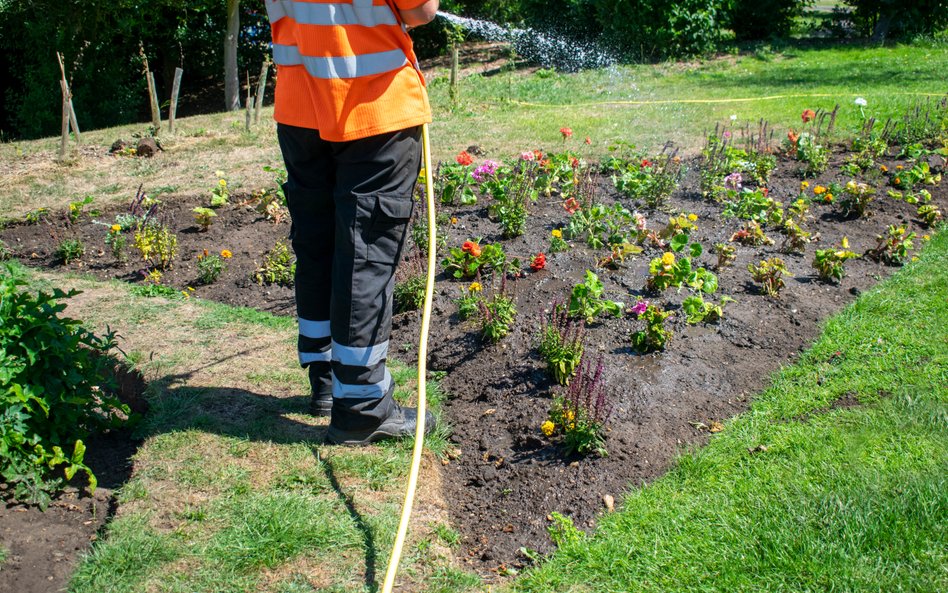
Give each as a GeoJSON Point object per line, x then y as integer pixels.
{"type": "Point", "coordinates": [385, 234]}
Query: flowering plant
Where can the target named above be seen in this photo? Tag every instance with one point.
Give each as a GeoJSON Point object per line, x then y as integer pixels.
{"type": "Point", "coordinates": [582, 412]}
{"type": "Point", "coordinates": [220, 194]}
{"type": "Point", "coordinates": [654, 337]}
{"type": "Point", "coordinates": [751, 234]}
{"type": "Point", "coordinates": [930, 215]}
{"type": "Point", "coordinates": [856, 198]}
{"type": "Point", "coordinates": [829, 262]}
{"type": "Point", "coordinates": [538, 262]}
{"type": "Point", "coordinates": [557, 244]}
{"type": "Point", "coordinates": [469, 259]}
{"type": "Point", "coordinates": [453, 181]}
{"type": "Point", "coordinates": [652, 180]}
{"type": "Point", "coordinates": [204, 217]}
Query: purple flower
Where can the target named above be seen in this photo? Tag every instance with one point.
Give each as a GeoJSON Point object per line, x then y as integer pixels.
{"type": "Point", "coordinates": [639, 307]}
{"type": "Point", "coordinates": [733, 181]}
{"type": "Point", "coordinates": [484, 171]}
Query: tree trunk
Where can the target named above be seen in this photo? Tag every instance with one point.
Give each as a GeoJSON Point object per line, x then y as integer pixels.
{"type": "Point", "coordinates": [881, 29]}
{"type": "Point", "coordinates": [231, 77]}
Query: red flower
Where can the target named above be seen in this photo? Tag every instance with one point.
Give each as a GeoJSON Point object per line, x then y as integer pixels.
{"type": "Point", "coordinates": [544, 163]}
{"type": "Point", "coordinates": [808, 115]}
{"type": "Point", "coordinates": [571, 205]}
{"type": "Point", "coordinates": [471, 247]}
{"type": "Point", "coordinates": [646, 163]}
{"type": "Point", "coordinates": [588, 141]}
{"type": "Point", "coordinates": [765, 192]}
{"type": "Point", "coordinates": [567, 132]}
{"type": "Point", "coordinates": [537, 155]}
{"type": "Point", "coordinates": [538, 263]}
{"type": "Point", "coordinates": [464, 158]}
{"type": "Point", "coordinates": [792, 137]}
{"type": "Point", "coordinates": [573, 161]}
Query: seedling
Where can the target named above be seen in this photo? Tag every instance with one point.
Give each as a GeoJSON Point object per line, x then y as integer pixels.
{"type": "Point", "coordinates": [769, 273]}
{"type": "Point", "coordinates": [586, 300]}
{"type": "Point", "coordinates": [204, 217]}
{"type": "Point", "coordinates": [893, 246]}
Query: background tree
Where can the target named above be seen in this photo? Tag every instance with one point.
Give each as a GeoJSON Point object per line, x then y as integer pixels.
{"type": "Point", "coordinates": [231, 75]}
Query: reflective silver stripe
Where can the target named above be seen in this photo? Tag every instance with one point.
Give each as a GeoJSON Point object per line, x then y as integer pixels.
{"type": "Point", "coordinates": [314, 329]}
{"type": "Point", "coordinates": [372, 390]}
{"type": "Point", "coordinates": [311, 13]}
{"type": "Point", "coordinates": [343, 66]}
{"type": "Point", "coordinates": [359, 357]}
{"type": "Point", "coordinates": [308, 357]}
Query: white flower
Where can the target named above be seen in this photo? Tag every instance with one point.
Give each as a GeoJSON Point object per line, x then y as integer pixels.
{"type": "Point", "coordinates": [734, 117]}
{"type": "Point", "coordinates": [861, 102]}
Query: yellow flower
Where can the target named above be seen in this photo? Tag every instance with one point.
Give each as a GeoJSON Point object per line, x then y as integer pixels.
{"type": "Point", "coordinates": [116, 228]}
{"type": "Point", "coordinates": [819, 189]}
{"type": "Point", "coordinates": [804, 185]}
{"type": "Point", "coordinates": [845, 242]}
{"type": "Point", "coordinates": [222, 183]}
{"type": "Point", "coordinates": [547, 428]}
{"type": "Point", "coordinates": [225, 253]}
{"type": "Point", "coordinates": [898, 167]}
{"type": "Point", "coordinates": [926, 238]}
{"type": "Point", "coordinates": [884, 169]}
{"type": "Point", "coordinates": [454, 220]}
{"type": "Point", "coordinates": [475, 287]}
{"type": "Point", "coordinates": [557, 233]}
{"type": "Point", "coordinates": [692, 217]}
{"type": "Point", "coordinates": [570, 416]}
{"type": "Point", "coordinates": [668, 260]}
{"type": "Point", "coordinates": [219, 173]}
{"type": "Point", "coordinates": [829, 197]}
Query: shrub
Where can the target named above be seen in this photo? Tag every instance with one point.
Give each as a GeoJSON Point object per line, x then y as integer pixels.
{"type": "Point", "coordinates": [53, 390]}
{"type": "Point", "coordinates": [157, 244]}
{"type": "Point", "coordinates": [278, 266]}
{"type": "Point", "coordinates": [753, 20]}
{"type": "Point", "coordinates": [70, 250]}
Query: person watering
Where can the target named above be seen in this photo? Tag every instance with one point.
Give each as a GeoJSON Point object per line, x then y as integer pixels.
{"type": "Point", "coordinates": [350, 103]}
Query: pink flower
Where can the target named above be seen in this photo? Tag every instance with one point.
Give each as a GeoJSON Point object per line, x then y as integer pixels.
{"type": "Point", "coordinates": [640, 223]}
{"type": "Point", "coordinates": [727, 133]}
{"type": "Point", "coordinates": [639, 307]}
{"type": "Point", "coordinates": [484, 171]}
{"type": "Point", "coordinates": [567, 132]}
{"type": "Point", "coordinates": [527, 156]}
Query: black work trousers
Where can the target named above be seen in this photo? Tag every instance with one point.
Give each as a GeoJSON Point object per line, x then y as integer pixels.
{"type": "Point", "coordinates": [350, 203]}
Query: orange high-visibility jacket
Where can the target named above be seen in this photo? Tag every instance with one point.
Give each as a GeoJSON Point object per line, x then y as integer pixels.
{"type": "Point", "coordinates": [346, 68]}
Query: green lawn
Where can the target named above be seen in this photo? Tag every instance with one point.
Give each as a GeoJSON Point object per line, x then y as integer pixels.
{"type": "Point", "coordinates": [648, 105]}
{"type": "Point", "coordinates": [798, 494]}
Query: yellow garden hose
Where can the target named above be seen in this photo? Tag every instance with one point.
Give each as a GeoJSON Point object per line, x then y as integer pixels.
{"type": "Point", "coordinates": [422, 356]}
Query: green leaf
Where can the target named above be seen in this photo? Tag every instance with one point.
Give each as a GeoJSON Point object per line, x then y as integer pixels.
{"type": "Point", "coordinates": [678, 242]}
{"type": "Point", "coordinates": [696, 250]}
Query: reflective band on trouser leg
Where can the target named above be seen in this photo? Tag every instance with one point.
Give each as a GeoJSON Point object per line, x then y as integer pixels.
{"type": "Point", "coordinates": [309, 13]}
{"type": "Point", "coordinates": [314, 342]}
{"type": "Point", "coordinates": [340, 66]}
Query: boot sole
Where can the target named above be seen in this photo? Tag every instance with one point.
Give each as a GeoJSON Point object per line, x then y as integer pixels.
{"type": "Point", "coordinates": [364, 437]}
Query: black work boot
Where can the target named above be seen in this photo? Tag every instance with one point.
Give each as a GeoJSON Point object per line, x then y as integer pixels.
{"type": "Point", "coordinates": [349, 427]}
{"type": "Point", "coordinates": [320, 380]}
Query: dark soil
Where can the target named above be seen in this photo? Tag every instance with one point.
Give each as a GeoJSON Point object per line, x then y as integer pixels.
{"type": "Point", "coordinates": [508, 477]}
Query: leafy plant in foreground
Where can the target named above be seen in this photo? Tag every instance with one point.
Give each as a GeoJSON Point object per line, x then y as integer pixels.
{"type": "Point", "coordinates": [453, 181]}
{"type": "Point", "coordinates": [586, 300]}
{"type": "Point", "coordinates": [204, 217]}
{"type": "Point", "coordinates": [582, 412]}
{"type": "Point", "coordinates": [697, 309]}
{"type": "Point", "coordinates": [469, 302]}
{"type": "Point", "coordinates": [893, 246]}
{"type": "Point", "coordinates": [557, 244]}
{"type": "Point", "coordinates": [561, 343]}
{"type": "Point", "coordinates": [53, 390]}
{"type": "Point", "coordinates": [211, 266]}
{"type": "Point", "coordinates": [769, 274]}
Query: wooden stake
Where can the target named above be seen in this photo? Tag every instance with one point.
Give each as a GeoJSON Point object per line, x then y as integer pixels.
{"type": "Point", "coordinates": [72, 112]}
{"type": "Point", "coordinates": [65, 139]}
{"type": "Point", "coordinates": [453, 87]}
{"type": "Point", "coordinates": [249, 103]}
{"type": "Point", "coordinates": [261, 89]}
{"type": "Point", "coordinates": [155, 109]}
{"type": "Point", "coordinates": [173, 108]}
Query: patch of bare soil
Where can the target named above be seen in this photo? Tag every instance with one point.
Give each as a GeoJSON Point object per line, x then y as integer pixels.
{"type": "Point", "coordinates": [509, 477]}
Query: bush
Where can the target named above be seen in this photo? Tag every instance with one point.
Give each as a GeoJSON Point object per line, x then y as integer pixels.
{"type": "Point", "coordinates": [648, 30]}
{"type": "Point", "coordinates": [754, 20]}
{"type": "Point", "coordinates": [53, 390]}
{"type": "Point", "coordinates": [880, 19]}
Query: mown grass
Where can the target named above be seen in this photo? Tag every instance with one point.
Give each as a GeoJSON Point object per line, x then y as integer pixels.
{"type": "Point", "coordinates": [798, 494]}
{"type": "Point", "coordinates": [646, 105]}
{"type": "Point", "coordinates": [233, 488]}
